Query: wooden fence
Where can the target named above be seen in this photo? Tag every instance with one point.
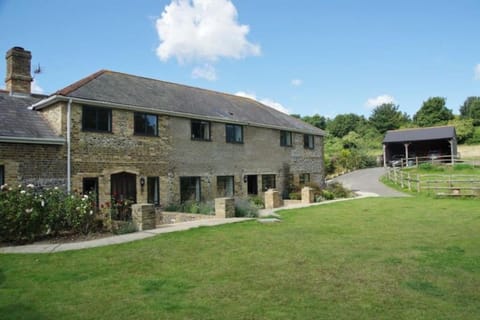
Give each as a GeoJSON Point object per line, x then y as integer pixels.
{"type": "Point", "coordinates": [454, 185]}
{"type": "Point", "coordinates": [416, 161]}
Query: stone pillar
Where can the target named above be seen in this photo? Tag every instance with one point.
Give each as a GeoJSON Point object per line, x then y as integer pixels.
{"type": "Point", "coordinates": [224, 208]}
{"type": "Point", "coordinates": [307, 195]}
{"type": "Point", "coordinates": [143, 216]}
{"type": "Point", "coordinates": [272, 199]}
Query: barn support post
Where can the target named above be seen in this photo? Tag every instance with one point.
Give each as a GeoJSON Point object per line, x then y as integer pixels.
{"type": "Point", "coordinates": [384, 155]}
{"type": "Point", "coordinates": [451, 151]}
{"type": "Point", "coordinates": [406, 153]}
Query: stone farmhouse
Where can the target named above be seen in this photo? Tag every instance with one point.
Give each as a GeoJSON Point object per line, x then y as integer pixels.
{"type": "Point", "coordinates": [146, 140]}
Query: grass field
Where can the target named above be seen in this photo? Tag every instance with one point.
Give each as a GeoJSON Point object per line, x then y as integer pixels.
{"type": "Point", "coordinates": [377, 258]}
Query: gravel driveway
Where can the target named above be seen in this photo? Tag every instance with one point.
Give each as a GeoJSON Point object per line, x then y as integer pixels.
{"type": "Point", "coordinates": [367, 180]}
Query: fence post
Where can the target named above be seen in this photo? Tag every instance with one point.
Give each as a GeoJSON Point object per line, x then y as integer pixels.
{"type": "Point", "coordinates": [418, 183]}
{"type": "Point", "coordinates": [409, 182]}
{"type": "Point", "coordinates": [401, 179]}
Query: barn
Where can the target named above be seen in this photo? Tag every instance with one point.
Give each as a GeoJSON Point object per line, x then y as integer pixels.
{"type": "Point", "coordinates": [420, 143]}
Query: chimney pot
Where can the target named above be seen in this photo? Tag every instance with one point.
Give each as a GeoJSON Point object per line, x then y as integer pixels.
{"type": "Point", "coordinates": [18, 77]}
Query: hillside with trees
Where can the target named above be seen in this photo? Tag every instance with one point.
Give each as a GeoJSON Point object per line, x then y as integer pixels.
{"type": "Point", "coordinates": [354, 142]}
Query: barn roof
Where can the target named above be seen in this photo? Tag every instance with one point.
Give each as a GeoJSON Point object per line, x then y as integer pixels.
{"type": "Point", "coordinates": [420, 134]}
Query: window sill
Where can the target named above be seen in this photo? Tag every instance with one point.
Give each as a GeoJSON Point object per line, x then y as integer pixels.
{"type": "Point", "coordinates": [146, 135]}
{"type": "Point", "coordinates": [96, 131]}
{"type": "Point", "coordinates": [197, 139]}
{"type": "Point", "coordinates": [235, 142]}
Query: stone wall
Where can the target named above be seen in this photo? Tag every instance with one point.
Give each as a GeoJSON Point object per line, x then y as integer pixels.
{"type": "Point", "coordinates": [173, 154]}
{"type": "Point", "coordinates": [41, 165]}
{"type": "Point", "coordinates": [176, 217]}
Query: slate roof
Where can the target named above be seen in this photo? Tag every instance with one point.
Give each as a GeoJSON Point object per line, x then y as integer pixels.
{"type": "Point", "coordinates": [20, 123]}
{"type": "Point", "coordinates": [420, 134]}
{"type": "Point", "coordinates": [160, 96]}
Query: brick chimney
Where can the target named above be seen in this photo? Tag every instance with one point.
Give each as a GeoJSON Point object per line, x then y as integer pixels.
{"type": "Point", "coordinates": [18, 79]}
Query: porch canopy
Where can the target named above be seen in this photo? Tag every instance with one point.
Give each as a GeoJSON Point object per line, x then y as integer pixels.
{"type": "Point", "coordinates": [419, 142]}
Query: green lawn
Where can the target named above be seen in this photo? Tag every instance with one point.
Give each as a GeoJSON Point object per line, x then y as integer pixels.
{"type": "Point", "coordinates": [397, 258]}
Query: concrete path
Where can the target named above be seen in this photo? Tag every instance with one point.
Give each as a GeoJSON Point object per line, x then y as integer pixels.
{"type": "Point", "coordinates": [365, 183]}
{"type": "Point", "coordinates": [367, 180]}
{"type": "Point", "coordinates": [50, 248]}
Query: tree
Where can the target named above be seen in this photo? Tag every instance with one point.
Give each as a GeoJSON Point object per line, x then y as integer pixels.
{"type": "Point", "coordinates": [342, 124]}
{"type": "Point", "coordinates": [316, 120]}
{"type": "Point", "coordinates": [464, 128]}
{"type": "Point", "coordinates": [471, 110]}
{"type": "Point", "coordinates": [388, 117]}
{"type": "Point", "coordinates": [433, 112]}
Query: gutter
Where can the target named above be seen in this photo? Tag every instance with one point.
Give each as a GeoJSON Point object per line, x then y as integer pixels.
{"type": "Point", "coordinates": [49, 141]}
{"type": "Point", "coordinates": [56, 98]}
{"type": "Point", "coordinates": [69, 156]}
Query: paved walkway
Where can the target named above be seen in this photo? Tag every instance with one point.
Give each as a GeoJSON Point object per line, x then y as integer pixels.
{"type": "Point", "coordinates": [364, 182]}
{"type": "Point", "coordinates": [49, 248]}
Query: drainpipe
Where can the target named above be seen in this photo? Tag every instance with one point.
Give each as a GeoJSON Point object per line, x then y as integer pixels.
{"type": "Point", "coordinates": [69, 157]}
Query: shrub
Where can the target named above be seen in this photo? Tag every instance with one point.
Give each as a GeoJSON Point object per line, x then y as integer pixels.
{"type": "Point", "coordinates": [327, 195]}
{"type": "Point", "coordinates": [257, 201]}
{"type": "Point", "coordinates": [123, 227]}
{"type": "Point", "coordinates": [245, 208]}
{"type": "Point", "coordinates": [192, 207]}
{"type": "Point", "coordinates": [295, 196]}
{"type": "Point", "coordinates": [338, 190]}
{"type": "Point", "coordinates": [26, 214]}
{"type": "Point", "coordinates": [172, 207]}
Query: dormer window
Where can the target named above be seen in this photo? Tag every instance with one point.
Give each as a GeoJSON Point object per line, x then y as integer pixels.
{"type": "Point", "coordinates": [200, 130]}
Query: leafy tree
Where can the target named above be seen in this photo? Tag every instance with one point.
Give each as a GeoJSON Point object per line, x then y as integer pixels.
{"type": "Point", "coordinates": [342, 124]}
{"type": "Point", "coordinates": [296, 115]}
{"type": "Point", "coordinates": [388, 117]}
{"type": "Point", "coordinates": [464, 128]}
{"type": "Point", "coordinates": [433, 112]}
{"type": "Point", "coordinates": [351, 140]}
{"type": "Point", "coordinates": [471, 109]}
{"type": "Point", "coordinates": [316, 120]}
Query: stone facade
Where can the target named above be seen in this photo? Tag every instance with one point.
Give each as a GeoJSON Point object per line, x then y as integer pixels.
{"type": "Point", "coordinates": [169, 156]}
{"type": "Point", "coordinates": [42, 165]}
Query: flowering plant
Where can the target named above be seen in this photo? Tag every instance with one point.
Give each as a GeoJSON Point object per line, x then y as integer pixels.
{"type": "Point", "coordinates": [27, 213]}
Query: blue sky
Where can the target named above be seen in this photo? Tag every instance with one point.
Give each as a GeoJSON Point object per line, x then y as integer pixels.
{"type": "Point", "coordinates": [326, 57]}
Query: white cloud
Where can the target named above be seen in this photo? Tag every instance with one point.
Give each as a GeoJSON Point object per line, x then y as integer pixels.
{"type": "Point", "coordinates": [36, 87]}
{"type": "Point", "coordinates": [206, 71]}
{"type": "Point", "coordinates": [377, 101]}
{"type": "Point", "coordinates": [202, 31]}
{"type": "Point", "coordinates": [266, 101]}
{"type": "Point", "coordinates": [477, 72]}
{"type": "Point", "coordinates": [296, 82]}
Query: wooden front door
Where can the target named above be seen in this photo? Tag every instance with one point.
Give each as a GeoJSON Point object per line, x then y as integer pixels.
{"type": "Point", "coordinates": [124, 194]}
{"type": "Point", "coordinates": [124, 186]}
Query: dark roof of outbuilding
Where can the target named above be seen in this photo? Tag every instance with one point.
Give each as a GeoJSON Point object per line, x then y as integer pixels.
{"type": "Point", "coordinates": [17, 122]}
{"type": "Point", "coordinates": [420, 134]}
{"type": "Point", "coordinates": [160, 96]}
